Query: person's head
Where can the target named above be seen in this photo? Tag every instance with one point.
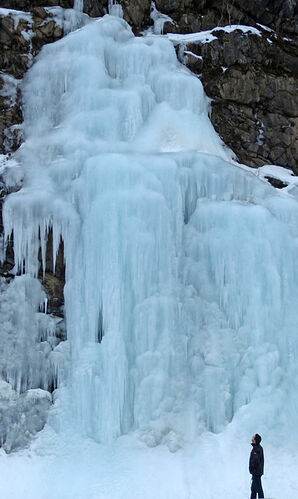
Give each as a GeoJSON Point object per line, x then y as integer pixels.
{"type": "Point", "coordinates": [256, 439]}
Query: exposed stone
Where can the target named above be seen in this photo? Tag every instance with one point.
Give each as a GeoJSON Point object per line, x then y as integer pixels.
{"type": "Point", "coordinates": [28, 5]}
{"type": "Point", "coordinates": [54, 288]}
{"type": "Point", "coordinates": [253, 86]}
{"type": "Point", "coordinates": [53, 280]}
{"type": "Point", "coordinates": [95, 9]}
{"type": "Point", "coordinates": [193, 61]}
{"type": "Point", "coordinates": [279, 184]}
{"type": "Point", "coordinates": [195, 15]}
{"type": "Point", "coordinates": [137, 13]}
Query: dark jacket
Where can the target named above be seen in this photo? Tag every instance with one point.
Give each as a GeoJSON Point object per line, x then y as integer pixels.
{"type": "Point", "coordinates": [256, 460]}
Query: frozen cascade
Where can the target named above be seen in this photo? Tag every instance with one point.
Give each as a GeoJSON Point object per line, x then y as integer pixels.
{"type": "Point", "coordinates": [180, 288]}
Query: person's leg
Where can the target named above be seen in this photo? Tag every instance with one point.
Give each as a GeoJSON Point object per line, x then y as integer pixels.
{"type": "Point", "coordinates": [259, 487]}
{"type": "Point", "coordinates": [260, 492]}
{"type": "Point", "coordinates": [253, 488]}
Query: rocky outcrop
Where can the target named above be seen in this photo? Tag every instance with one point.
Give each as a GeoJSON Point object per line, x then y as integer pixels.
{"type": "Point", "coordinates": [95, 9]}
{"type": "Point", "coordinates": [196, 15]}
{"type": "Point", "coordinates": [252, 80]}
{"type": "Point", "coordinates": [137, 13]}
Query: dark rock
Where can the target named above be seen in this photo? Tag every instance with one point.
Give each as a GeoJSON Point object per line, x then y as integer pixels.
{"type": "Point", "coordinates": [253, 86]}
{"type": "Point", "coordinates": [137, 13]}
{"type": "Point", "coordinates": [28, 5]}
{"type": "Point", "coordinates": [279, 184]}
{"type": "Point", "coordinates": [53, 279]}
{"type": "Point", "coordinates": [194, 62]}
{"type": "Point", "coordinates": [95, 9]}
{"type": "Point", "coordinates": [172, 6]}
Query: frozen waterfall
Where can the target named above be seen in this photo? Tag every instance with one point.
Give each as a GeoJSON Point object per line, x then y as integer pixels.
{"type": "Point", "coordinates": [181, 267]}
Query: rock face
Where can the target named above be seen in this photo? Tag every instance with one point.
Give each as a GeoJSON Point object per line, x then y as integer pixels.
{"type": "Point", "coordinates": [28, 5]}
{"type": "Point", "coordinates": [196, 15]}
{"type": "Point", "coordinates": [252, 81]}
{"type": "Point", "coordinates": [137, 13]}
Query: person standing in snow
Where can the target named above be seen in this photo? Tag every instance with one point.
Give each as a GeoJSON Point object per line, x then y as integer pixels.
{"type": "Point", "coordinates": [256, 467]}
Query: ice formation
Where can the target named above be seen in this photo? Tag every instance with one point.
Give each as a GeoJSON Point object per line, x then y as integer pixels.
{"type": "Point", "coordinates": [181, 270]}
{"type": "Point", "coordinates": [30, 358]}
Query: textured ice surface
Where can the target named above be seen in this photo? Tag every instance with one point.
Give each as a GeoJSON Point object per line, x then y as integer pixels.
{"type": "Point", "coordinates": [180, 267]}
{"type": "Point", "coordinates": [30, 361]}
{"type": "Point", "coordinates": [21, 416]}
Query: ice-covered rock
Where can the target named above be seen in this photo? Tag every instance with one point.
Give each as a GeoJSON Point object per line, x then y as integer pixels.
{"type": "Point", "coordinates": [21, 416]}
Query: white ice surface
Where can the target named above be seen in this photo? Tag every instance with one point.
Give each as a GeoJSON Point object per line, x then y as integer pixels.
{"type": "Point", "coordinates": [185, 263]}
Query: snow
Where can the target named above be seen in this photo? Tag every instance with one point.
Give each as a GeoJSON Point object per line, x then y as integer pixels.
{"type": "Point", "coordinates": [208, 36]}
{"type": "Point", "coordinates": [265, 27]}
{"type": "Point", "coordinates": [200, 37]}
{"type": "Point", "coordinates": [279, 173]}
{"type": "Point", "coordinates": [283, 174]}
{"type": "Point", "coordinates": [128, 469]}
{"type": "Point", "coordinates": [192, 54]}
{"type": "Point", "coordinates": [16, 15]}
{"type": "Point", "coordinates": [181, 282]}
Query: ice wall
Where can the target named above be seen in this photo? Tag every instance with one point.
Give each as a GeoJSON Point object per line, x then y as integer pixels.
{"type": "Point", "coordinates": [180, 267]}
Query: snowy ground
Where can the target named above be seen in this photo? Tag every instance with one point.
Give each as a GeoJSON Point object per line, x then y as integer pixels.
{"type": "Point", "coordinates": [215, 466]}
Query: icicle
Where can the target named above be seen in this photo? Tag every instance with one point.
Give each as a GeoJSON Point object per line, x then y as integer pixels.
{"type": "Point", "coordinates": [78, 5]}
{"type": "Point", "coordinates": [115, 8]}
{"type": "Point", "coordinates": [159, 20]}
